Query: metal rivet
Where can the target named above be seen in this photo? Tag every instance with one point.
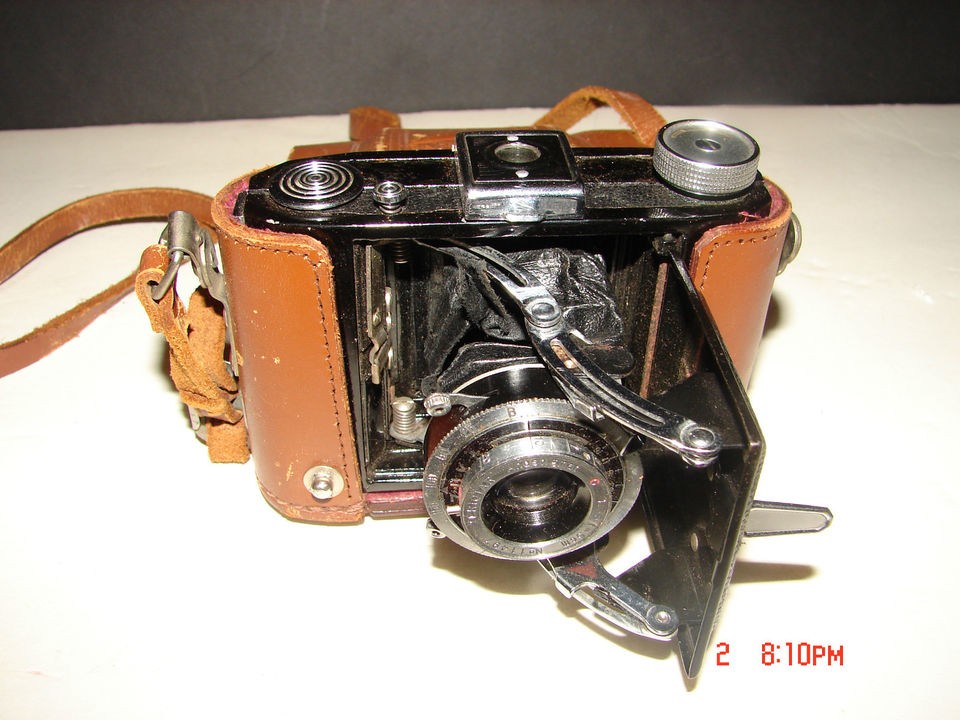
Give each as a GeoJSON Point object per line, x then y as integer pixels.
{"type": "Point", "coordinates": [544, 313]}
{"type": "Point", "coordinates": [663, 617]}
{"type": "Point", "coordinates": [700, 437]}
{"type": "Point", "coordinates": [323, 482]}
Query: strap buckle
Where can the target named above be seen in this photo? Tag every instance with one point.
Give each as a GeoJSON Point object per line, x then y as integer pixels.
{"type": "Point", "coordinates": [184, 238]}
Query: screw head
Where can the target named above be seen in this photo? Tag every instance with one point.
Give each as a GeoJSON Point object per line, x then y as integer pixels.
{"type": "Point", "coordinates": [389, 195]}
{"type": "Point", "coordinates": [791, 243]}
{"type": "Point", "coordinates": [437, 404]}
{"type": "Point", "coordinates": [323, 482]}
{"type": "Point", "coordinates": [404, 405]}
{"type": "Point", "coordinates": [661, 617]}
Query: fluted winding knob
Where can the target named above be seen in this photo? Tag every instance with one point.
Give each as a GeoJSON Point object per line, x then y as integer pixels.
{"type": "Point", "coordinates": [705, 157]}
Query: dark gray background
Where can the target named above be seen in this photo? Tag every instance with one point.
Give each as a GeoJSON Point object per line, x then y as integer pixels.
{"type": "Point", "coordinates": [66, 63]}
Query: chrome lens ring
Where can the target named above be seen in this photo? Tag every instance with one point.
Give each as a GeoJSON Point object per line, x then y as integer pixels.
{"type": "Point", "coordinates": [487, 484]}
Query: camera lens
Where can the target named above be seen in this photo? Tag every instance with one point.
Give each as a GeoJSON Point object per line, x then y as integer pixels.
{"type": "Point", "coordinates": [528, 479]}
{"type": "Point", "coordinates": [535, 505]}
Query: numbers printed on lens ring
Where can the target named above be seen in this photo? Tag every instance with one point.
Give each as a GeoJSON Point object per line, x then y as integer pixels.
{"type": "Point", "coordinates": [790, 654]}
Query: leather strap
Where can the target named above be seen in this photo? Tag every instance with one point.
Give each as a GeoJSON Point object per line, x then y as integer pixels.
{"type": "Point", "coordinates": [145, 204]}
{"type": "Point", "coordinates": [376, 129]}
{"type": "Point", "coordinates": [196, 364]}
{"type": "Point", "coordinates": [641, 117]}
{"type": "Point", "coordinates": [368, 127]}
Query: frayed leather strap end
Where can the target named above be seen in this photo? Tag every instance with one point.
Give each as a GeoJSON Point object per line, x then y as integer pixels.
{"type": "Point", "coordinates": [196, 337]}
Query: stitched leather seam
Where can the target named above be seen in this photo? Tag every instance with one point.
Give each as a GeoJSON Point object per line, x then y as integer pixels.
{"type": "Point", "coordinates": [727, 243]}
{"type": "Point", "coordinates": [290, 508]}
{"type": "Point", "coordinates": [344, 457]}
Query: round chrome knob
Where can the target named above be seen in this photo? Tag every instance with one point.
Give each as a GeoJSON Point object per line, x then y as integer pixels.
{"type": "Point", "coordinates": [316, 185]}
{"type": "Point", "coordinates": [706, 157]}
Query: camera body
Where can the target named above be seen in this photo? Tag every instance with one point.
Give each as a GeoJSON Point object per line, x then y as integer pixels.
{"type": "Point", "coordinates": [523, 340]}
{"type": "Point", "coordinates": [524, 335]}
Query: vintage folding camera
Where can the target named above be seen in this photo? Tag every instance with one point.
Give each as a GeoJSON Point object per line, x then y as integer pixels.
{"type": "Point", "coordinates": [521, 340]}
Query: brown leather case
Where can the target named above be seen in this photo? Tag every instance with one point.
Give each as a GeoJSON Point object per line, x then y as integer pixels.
{"type": "Point", "coordinates": [292, 378]}
{"type": "Point", "coordinates": [292, 374]}
{"type": "Point", "coordinates": [733, 267]}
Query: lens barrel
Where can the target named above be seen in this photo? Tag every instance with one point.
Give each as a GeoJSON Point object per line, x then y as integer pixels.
{"type": "Point", "coordinates": [530, 479]}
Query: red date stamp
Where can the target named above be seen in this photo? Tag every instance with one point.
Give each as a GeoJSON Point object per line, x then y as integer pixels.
{"type": "Point", "coordinates": [790, 654]}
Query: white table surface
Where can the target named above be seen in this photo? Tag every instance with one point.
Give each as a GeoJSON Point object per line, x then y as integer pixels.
{"type": "Point", "coordinates": [137, 580]}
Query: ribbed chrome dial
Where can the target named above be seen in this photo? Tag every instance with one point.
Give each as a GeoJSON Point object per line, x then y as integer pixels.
{"type": "Point", "coordinates": [706, 157]}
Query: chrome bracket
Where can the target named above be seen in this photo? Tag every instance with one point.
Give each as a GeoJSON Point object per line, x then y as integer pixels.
{"type": "Point", "coordinates": [587, 386]}
{"type": "Point", "coordinates": [581, 576]}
